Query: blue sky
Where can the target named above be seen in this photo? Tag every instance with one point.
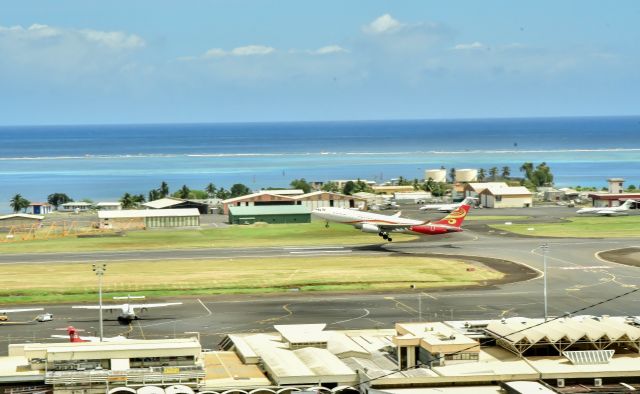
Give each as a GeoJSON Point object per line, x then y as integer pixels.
{"type": "Point", "coordinates": [74, 62]}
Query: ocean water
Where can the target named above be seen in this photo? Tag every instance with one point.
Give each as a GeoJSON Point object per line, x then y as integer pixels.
{"type": "Point", "coordinates": [103, 162]}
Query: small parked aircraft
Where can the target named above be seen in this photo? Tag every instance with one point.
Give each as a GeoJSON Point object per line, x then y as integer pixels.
{"type": "Point", "coordinates": [608, 211]}
{"type": "Point", "coordinates": [448, 207]}
{"type": "Point", "coordinates": [128, 310]}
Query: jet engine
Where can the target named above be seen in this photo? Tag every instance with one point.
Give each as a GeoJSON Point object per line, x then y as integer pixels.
{"type": "Point", "coordinates": [370, 228]}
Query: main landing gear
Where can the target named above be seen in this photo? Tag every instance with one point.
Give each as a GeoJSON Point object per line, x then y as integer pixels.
{"type": "Point", "coordinates": [385, 236]}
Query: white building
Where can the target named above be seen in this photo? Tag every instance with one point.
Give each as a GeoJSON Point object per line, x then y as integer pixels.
{"type": "Point", "coordinates": [77, 206]}
{"type": "Point", "coordinates": [616, 185]}
{"type": "Point", "coordinates": [466, 175]}
{"type": "Point", "coordinates": [506, 197]}
{"type": "Point", "coordinates": [109, 206]}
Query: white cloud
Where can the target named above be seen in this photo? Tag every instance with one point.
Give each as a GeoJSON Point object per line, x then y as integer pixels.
{"type": "Point", "coordinates": [50, 35]}
{"type": "Point", "coordinates": [329, 49]}
{"type": "Point", "coordinates": [471, 46]}
{"type": "Point", "coordinates": [215, 52]}
{"type": "Point", "coordinates": [383, 24]}
{"type": "Point", "coordinates": [249, 50]}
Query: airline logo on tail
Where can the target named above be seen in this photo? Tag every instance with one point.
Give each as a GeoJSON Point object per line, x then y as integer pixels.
{"type": "Point", "coordinates": [456, 217]}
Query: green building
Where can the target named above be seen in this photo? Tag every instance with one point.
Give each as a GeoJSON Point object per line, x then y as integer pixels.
{"type": "Point", "coordinates": [275, 214]}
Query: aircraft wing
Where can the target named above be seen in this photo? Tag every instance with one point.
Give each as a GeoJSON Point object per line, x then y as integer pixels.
{"type": "Point", "coordinates": [96, 307]}
{"type": "Point", "coordinates": [392, 227]}
{"type": "Point", "coordinates": [20, 310]}
{"type": "Point", "coordinates": [609, 212]}
{"type": "Point", "coordinates": [158, 305]}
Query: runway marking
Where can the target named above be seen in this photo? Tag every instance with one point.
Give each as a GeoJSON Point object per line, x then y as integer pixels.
{"type": "Point", "coordinates": [582, 267]}
{"type": "Point", "coordinates": [310, 247]}
{"type": "Point", "coordinates": [274, 319]}
{"type": "Point", "coordinates": [205, 307]}
{"type": "Point", "coordinates": [141, 331]}
{"type": "Point", "coordinates": [318, 252]}
{"type": "Point", "coordinates": [399, 303]}
{"type": "Point", "coordinates": [366, 313]}
{"type": "Point", "coordinates": [429, 295]}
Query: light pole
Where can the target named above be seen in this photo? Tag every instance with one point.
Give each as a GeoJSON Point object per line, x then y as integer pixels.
{"type": "Point", "coordinates": [545, 248]}
{"type": "Point", "coordinates": [99, 269]}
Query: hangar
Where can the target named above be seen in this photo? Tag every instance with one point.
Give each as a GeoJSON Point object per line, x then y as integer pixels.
{"type": "Point", "coordinates": [177, 203]}
{"type": "Point", "coordinates": [149, 218]}
{"type": "Point", "coordinates": [310, 200]}
{"type": "Point", "coordinates": [275, 214]}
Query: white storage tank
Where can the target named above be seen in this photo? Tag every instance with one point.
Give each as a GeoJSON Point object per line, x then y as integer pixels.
{"type": "Point", "coordinates": [466, 175]}
{"type": "Point", "coordinates": [439, 175]}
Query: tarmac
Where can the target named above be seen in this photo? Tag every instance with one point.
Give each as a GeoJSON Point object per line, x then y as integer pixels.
{"type": "Point", "coordinates": [577, 276]}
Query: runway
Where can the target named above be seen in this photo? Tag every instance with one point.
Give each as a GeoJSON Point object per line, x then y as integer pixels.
{"type": "Point", "coordinates": [576, 278]}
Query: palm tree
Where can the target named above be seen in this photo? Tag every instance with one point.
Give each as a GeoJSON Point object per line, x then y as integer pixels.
{"type": "Point", "coordinates": [481, 175]}
{"type": "Point", "coordinates": [127, 201]}
{"type": "Point", "coordinates": [211, 190]}
{"type": "Point", "coordinates": [506, 171]}
{"type": "Point", "coordinates": [19, 203]}
{"type": "Point", "coordinates": [527, 168]}
{"type": "Point", "coordinates": [184, 192]}
{"type": "Point", "coordinates": [493, 172]}
{"type": "Point", "coordinates": [164, 189]}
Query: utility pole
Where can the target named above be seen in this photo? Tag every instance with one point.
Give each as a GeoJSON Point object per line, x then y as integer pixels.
{"type": "Point", "coordinates": [545, 248]}
{"type": "Point", "coordinates": [99, 269]}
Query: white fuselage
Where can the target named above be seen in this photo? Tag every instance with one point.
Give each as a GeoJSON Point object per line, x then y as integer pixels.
{"type": "Point", "coordinates": [356, 218]}
{"type": "Point", "coordinates": [127, 312]}
{"type": "Point", "coordinates": [607, 211]}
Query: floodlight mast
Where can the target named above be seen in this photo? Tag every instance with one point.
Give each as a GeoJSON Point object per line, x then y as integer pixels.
{"type": "Point", "coordinates": [545, 249]}
{"type": "Point", "coordinates": [99, 269]}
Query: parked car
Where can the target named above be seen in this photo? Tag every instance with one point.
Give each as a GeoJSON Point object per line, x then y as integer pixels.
{"type": "Point", "coordinates": [45, 317]}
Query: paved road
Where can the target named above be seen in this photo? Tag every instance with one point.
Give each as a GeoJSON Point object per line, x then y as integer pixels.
{"type": "Point", "coordinates": [576, 278]}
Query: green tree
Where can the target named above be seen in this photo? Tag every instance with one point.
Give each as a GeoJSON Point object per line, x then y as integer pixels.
{"type": "Point", "coordinates": [331, 187]}
{"type": "Point", "coordinates": [452, 174]}
{"type": "Point", "coordinates": [211, 190]}
{"type": "Point", "coordinates": [18, 203]}
{"type": "Point", "coordinates": [493, 173]}
{"type": "Point", "coordinates": [481, 175]}
{"type": "Point", "coordinates": [183, 192]}
{"type": "Point", "coordinates": [349, 188]}
{"type": "Point", "coordinates": [631, 188]}
{"type": "Point", "coordinates": [527, 168]}
{"type": "Point", "coordinates": [238, 190]}
{"type": "Point", "coordinates": [139, 199]}
{"type": "Point", "coordinates": [127, 201]}
{"type": "Point", "coordinates": [222, 193]}
{"type": "Point", "coordinates": [154, 194]}
{"type": "Point", "coordinates": [506, 172]}
{"type": "Point", "coordinates": [164, 189]}
{"type": "Point", "coordinates": [301, 184]}
{"type": "Point", "coordinates": [57, 199]}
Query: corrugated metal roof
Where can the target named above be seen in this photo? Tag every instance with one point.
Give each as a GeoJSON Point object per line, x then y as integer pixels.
{"type": "Point", "coordinates": [269, 210]}
{"type": "Point", "coordinates": [148, 213]}
{"type": "Point", "coordinates": [163, 203]}
{"type": "Point", "coordinates": [22, 215]}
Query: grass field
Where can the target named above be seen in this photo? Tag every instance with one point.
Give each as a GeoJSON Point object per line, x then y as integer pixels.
{"type": "Point", "coordinates": [313, 233]}
{"type": "Point", "coordinates": [76, 282]}
{"type": "Point", "coordinates": [581, 227]}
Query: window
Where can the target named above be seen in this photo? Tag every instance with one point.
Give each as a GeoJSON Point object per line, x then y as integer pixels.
{"type": "Point", "coordinates": [498, 198]}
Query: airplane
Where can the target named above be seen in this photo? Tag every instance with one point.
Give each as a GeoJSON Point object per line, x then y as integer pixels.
{"type": "Point", "coordinates": [73, 336]}
{"type": "Point", "coordinates": [128, 310]}
{"type": "Point", "coordinates": [608, 211]}
{"type": "Point", "coordinates": [448, 207]}
{"type": "Point", "coordinates": [387, 204]}
{"type": "Point", "coordinates": [3, 312]}
{"type": "Point", "coordinates": [383, 225]}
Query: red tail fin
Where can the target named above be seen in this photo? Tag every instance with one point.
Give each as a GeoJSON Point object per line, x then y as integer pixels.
{"type": "Point", "coordinates": [455, 218]}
